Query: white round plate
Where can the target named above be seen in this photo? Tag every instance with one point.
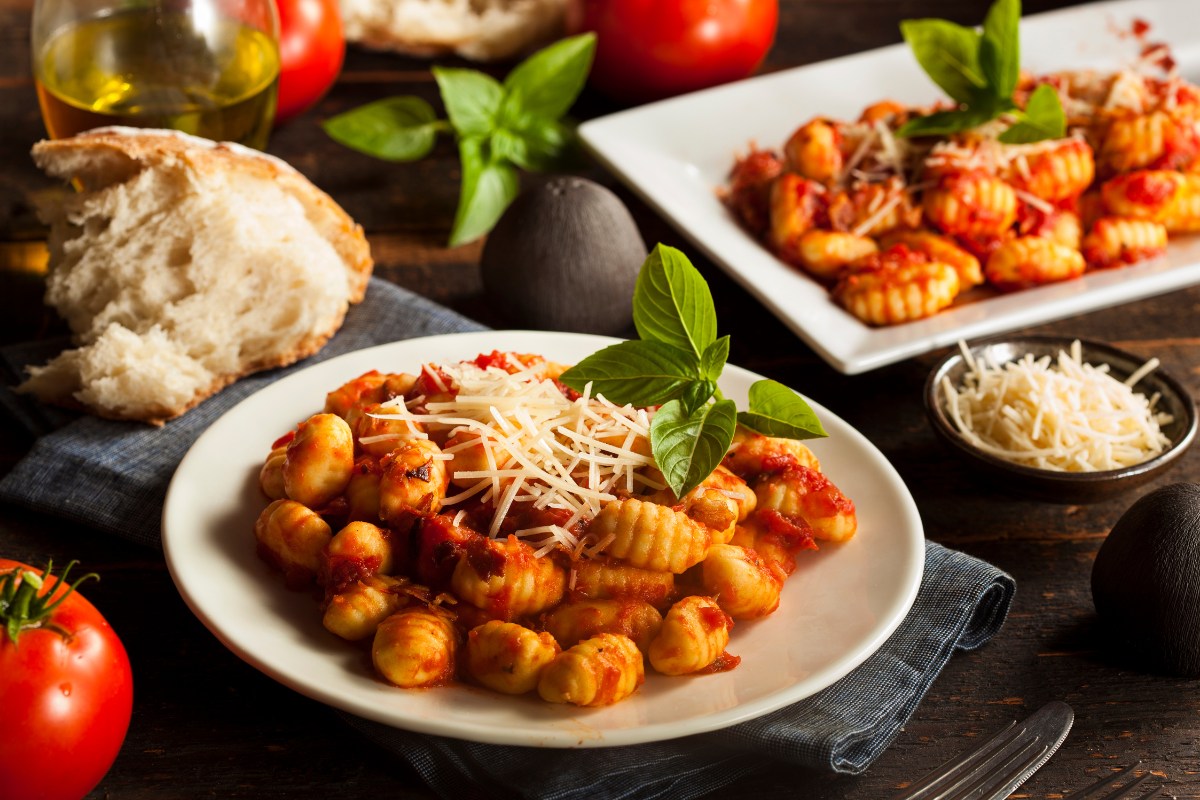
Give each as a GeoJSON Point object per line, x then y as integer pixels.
{"type": "Point", "coordinates": [839, 606]}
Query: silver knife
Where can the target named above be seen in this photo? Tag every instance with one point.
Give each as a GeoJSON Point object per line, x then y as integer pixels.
{"type": "Point", "coordinates": [997, 767]}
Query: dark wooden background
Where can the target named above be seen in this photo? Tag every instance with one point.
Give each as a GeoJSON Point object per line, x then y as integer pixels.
{"type": "Point", "coordinates": [207, 725]}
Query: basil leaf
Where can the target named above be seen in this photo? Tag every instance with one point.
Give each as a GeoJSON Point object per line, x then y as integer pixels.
{"type": "Point", "coordinates": [696, 394]}
{"type": "Point", "coordinates": [671, 302]}
{"type": "Point", "coordinates": [638, 372]}
{"type": "Point", "coordinates": [944, 123]}
{"type": "Point", "coordinates": [948, 53]}
{"type": "Point", "coordinates": [712, 360]}
{"type": "Point", "coordinates": [395, 129]}
{"type": "Point", "coordinates": [488, 186]}
{"type": "Point", "coordinates": [775, 410]}
{"type": "Point", "coordinates": [688, 447]}
{"type": "Point", "coordinates": [1043, 118]}
{"type": "Point", "coordinates": [1000, 47]}
{"type": "Point", "coordinates": [546, 84]}
{"type": "Point", "coordinates": [540, 145]}
{"type": "Point", "coordinates": [472, 100]}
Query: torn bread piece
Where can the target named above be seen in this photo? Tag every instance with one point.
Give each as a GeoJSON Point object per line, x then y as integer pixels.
{"type": "Point", "coordinates": [183, 264]}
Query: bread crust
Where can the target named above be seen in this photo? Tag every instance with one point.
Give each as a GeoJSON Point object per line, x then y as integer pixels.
{"type": "Point", "coordinates": [107, 156]}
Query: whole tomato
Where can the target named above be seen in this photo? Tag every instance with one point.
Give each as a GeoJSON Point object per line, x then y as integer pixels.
{"type": "Point", "coordinates": [311, 49]}
{"type": "Point", "coordinates": [650, 49]}
{"type": "Point", "coordinates": [66, 689]}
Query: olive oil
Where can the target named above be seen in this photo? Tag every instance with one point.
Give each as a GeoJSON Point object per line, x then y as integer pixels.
{"type": "Point", "coordinates": [150, 69]}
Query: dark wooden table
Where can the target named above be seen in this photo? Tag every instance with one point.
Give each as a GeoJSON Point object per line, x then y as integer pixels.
{"type": "Point", "coordinates": [207, 725]}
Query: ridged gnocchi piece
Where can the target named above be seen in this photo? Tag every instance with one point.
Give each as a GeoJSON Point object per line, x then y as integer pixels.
{"type": "Point", "coordinates": [469, 455]}
{"type": "Point", "coordinates": [1183, 216]}
{"type": "Point", "coordinates": [319, 460]}
{"type": "Point", "coordinates": [942, 249]}
{"type": "Point", "coordinates": [607, 579]}
{"type": "Point", "coordinates": [1054, 171]}
{"type": "Point", "coordinates": [1145, 194]}
{"type": "Point", "coordinates": [710, 504]}
{"type": "Point", "coordinates": [793, 205]}
{"type": "Point", "coordinates": [650, 536]}
{"type": "Point", "coordinates": [507, 657]}
{"type": "Point", "coordinates": [1032, 261]}
{"type": "Point", "coordinates": [753, 453]}
{"type": "Point", "coordinates": [370, 387]}
{"type": "Point", "coordinates": [808, 495]}
{"type": "Point", "coordinates": [774, 550]}
{"type": "Point", "coordinates": [825, 254]}
{"type": "Point", "coordinates": [694, 634]}
{"type": "Point", "coordinates": [971, 205]}
{"type": "Point", "coordinates": [740, 581]}
{"type": "Point", "coordinates": [1156, 139]}
{"type": "Point", "coordinates": [1062, 227]}
{"type": "Point", "coordinates": [873, 209]}
{"type": "Point", "coordinates": [270, 477]}
{"type": "Point", "coordinates": [292, 538]}
{"type": "Point", "coordinates": [354, 613]}
{"type": "Point", "coordinates": [413, 482]}
{"type": "Point", "coordinates": [416, 646]}
{"type": "Point", "coordinates": [890, 295]}
{"type": "Point", "coordinates": [596, 672]}
{"type": "Point", "coordinates": [1115, 241]}
{"type": "Point", "coordinates": [814, 150]}
{"type": "Point", "coordinates": [359, 549]}
{"type": "Point", "coordinates": [378, 431]}
{"type": "Point", "coordinates": [362, 492]}
{"type": "Point", "coordinates": [506, 579]}
{"type": "Point", "coordinates": [572, 622]}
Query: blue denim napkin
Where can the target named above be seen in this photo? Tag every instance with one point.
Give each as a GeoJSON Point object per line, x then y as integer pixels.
{"type": "Point", "coordinates": [117, 474]}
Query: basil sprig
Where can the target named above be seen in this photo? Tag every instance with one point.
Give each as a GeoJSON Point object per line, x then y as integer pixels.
{"type": "Point", "coordinates": [500, 127]}
{"type": "Point", "coordinates": [979, 71]}
{"type": "Point", "coordinates": [675, 364]}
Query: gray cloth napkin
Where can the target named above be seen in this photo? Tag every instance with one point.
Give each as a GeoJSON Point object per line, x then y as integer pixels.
{"type": "Point", "coordinates": [116, 476]}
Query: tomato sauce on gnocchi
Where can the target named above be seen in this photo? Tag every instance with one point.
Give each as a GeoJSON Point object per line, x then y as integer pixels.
{"type": "Point", "coordinates": [841, 197]}
{"type": "Point", "coordinates": [475, 522]}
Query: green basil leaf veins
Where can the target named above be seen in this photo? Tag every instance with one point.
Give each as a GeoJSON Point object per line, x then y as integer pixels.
{"type": "Point", "coordinates": [712, 360]}
{"type": "Point", "coordinates": [472, 100]}
{"type": "Point", "coordinates": [394, 129]}
{"type": "Point", "coordinates": [688, 447]}
{"type": "Point", "coordinates": [488, 186]}
{"type": "Point", "coordinates": [546, 84]}
{"type": "Point", "coordinates": [696, 394]}
{"type": "Point", "coordinates": [944, 123]}
{"type": "Point", "coordinates": [1000, 47]}
{"type": "Point", "coordinates": [949, 54]}
{"type": "Point", "coordinates": [672, 303]}
{"type": "Point", "coordinates": [638, 372]}
{"type": "Point", "coordinates": [1043, 118]}
{"type": "Point", "coordinates": [775, 410]}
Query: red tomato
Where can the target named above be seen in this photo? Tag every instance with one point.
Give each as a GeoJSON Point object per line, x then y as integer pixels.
{"type": "Point", "coordinates": [66, 691]}
{"type": "Point", "coordinates": [650, 49]}
{"type": "Point", "coordinates": [311, 49]}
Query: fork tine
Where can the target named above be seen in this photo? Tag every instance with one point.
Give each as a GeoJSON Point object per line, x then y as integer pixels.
{"type": "Point", "coordinates": [943, 777]}
{"type": "Point", "coordinates": [1097, 790]}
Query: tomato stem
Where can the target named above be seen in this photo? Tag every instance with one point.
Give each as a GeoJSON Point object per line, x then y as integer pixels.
{"type": "Point", "coordinates": [22, 603]}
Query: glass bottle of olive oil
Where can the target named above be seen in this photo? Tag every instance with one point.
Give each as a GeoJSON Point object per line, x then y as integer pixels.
{"type": "Point", "coordinates": [188, 70]}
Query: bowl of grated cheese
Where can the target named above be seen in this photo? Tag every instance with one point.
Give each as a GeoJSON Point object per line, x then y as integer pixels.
{"type": "Point", "coordinates": [1062, 419]}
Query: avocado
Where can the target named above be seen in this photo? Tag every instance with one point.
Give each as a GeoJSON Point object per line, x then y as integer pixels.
{"type": "Point", "coordinates": [1146, 579]}
{"type": "Point", "coordinates": [564, 256]}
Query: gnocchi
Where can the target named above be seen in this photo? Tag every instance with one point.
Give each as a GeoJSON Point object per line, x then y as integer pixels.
{"type": "Point", "coordinates": [440, 542]}
{"type": "Point", "coordinates": [841, 196]}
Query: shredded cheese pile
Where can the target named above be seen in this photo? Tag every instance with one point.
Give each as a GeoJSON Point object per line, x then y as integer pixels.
{"type": "Point", "coordinates": [539, 446]}
{"type": "Point", "coordinates": [1063, 415]}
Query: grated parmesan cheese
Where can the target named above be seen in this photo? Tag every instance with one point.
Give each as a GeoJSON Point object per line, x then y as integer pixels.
{"type": "Point", "coordinates": [540, 448]}
{"type": "Point", "coordinates": [1062, 414]}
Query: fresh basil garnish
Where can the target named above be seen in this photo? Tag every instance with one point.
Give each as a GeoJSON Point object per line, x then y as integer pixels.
{"type": "Point", "coordinates": [979, 70]}
{"type": "Point", "coordinates": [676, 365]}
{"type": "Point", "coordinates": [499, 127]}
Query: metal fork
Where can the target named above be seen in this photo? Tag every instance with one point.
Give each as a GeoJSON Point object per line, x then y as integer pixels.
{"type": "Point", "coordinates": [996, 768]}
{"type": "Point", "coordinates": [1098, 790]}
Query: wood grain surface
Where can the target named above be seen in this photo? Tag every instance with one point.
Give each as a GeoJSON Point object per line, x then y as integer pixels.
{"type": "Point", "coordinates": [207, 725]}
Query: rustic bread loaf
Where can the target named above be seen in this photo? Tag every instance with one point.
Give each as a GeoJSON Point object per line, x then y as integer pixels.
{"type": "Point", "coordinates": [482, 30]}
{"type": "Point", "coordinates": [182, 265]}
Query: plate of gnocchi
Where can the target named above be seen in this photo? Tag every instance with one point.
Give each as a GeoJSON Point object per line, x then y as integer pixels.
{"type": "Point", "coordinates": [438, 535]}
{"type": "Point", "coordinates": [873, 246]}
